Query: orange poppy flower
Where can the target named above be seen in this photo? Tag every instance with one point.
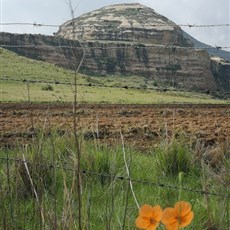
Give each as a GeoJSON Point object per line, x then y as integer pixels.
{"type": "Point", "coordinates": [178, 217]}
{"type": "Point", "coordinates": [149, 217]}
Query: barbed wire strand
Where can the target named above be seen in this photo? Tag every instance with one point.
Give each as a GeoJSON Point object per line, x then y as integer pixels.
{"type": "Point", "coordinates": [190, 25]}
{"type": "Point", "coordinates": [27, 24]}
{"type": "Point", "coordinates": [154, 45]}
{"type": "Point", "coordinates": [120, 177]}
{"type": "Point", "coordinates": [124, 46]}
{"type": "Point", "coordinates": [57, 82]}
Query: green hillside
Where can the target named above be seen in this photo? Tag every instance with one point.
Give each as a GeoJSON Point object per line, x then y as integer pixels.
{"type": "Point", "coordinates": [44, 82]}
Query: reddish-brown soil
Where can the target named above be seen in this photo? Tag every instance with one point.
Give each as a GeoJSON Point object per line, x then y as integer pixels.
{"type": "Point", "coordinates": [141, 125]}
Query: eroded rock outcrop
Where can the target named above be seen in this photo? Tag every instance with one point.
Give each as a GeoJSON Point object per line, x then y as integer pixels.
{"type": "Point", "coordinates": [124, 22]}
{"type": "Point", "coordinates": [221, 71]}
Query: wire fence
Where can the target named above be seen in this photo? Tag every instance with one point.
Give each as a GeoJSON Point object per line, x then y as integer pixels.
{"type": "Point", "coordinates": [27, 24]}
{"type": "Point", "coordinates": [124, 86]}
{"type": "Point", "coordinates": [124, 46]}
{"type": "Point", "coordinates": [43, 175]}
{"type": "Point", "coordinates": [159, 24]}
{"type": "Point", "coordinates": [117, 177]}
{"type": "Point", "coordinates": [86, 47]}
{"type": "Point", "coordinates": [8, 219]}
{"type": "Point", "coordinates": [189, 25]}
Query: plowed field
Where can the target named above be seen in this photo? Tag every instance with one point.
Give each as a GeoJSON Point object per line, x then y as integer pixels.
{"type": "Point", "coordinates": [141, 125]}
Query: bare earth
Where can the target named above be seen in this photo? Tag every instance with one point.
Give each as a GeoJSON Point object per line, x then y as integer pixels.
{"type": "Point", "coordinates": [142, 126]}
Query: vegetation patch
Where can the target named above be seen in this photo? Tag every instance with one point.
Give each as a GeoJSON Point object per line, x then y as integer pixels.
{"type": "Point", "coordinates": [48, 88]}
{"type": "Point", "coordinates": [38, 184]}
{"type": "Point", "coordinates": [33, 75]}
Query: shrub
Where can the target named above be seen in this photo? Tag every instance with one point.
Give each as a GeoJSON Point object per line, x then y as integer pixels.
{"type": "Point", "coordinates": [170, 159]}
{"type": "Point", "coordinates": [47, 88]}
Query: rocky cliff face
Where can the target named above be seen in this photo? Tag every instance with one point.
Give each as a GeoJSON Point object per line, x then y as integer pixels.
{"type": "Point", "coordinates": [43, 48]}
{"type": "Point", "coordinates": [125, 22]}
{"type": "Point", "coordinates": [126, 39]}
{"type": "Point", "coordinates": [221, 71]}
{"type": "Point", "coordinates": [186, 68]}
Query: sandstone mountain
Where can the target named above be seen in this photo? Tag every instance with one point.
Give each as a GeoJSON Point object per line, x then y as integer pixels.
{"type": "Point", "coordinates": [126, 22]}
{"type": "Point", "coordinates": [136, 23]}
{"type": "Point", "coordinates": [127, 39]}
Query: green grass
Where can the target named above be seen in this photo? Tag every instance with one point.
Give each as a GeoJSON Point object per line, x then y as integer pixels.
{"type": "Point", "coordinates": [107, 202]}
{"type": "Point", "coordinates": [105, 199]}
{"type": "Point", "coordinates": [132, 96]}
{"type": "Point", "coordinates": [16, 70]}
{"type": "Point", "coordinates": [18, 92]}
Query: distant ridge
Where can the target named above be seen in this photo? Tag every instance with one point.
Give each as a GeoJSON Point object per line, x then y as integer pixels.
{"type": "Point", "coordinates": [213, 51]}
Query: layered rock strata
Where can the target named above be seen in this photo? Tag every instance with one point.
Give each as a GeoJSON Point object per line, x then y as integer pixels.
{"type": "Point", "coordinates": [124, 22]}
{"type": "Point", "coordinates": [128, 39]}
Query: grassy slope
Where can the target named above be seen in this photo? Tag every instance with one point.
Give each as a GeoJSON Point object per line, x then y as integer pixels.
{"type": "Point", "coordinates": [15, 69]}
{"type": "Point", "coordinates": [105, 199]}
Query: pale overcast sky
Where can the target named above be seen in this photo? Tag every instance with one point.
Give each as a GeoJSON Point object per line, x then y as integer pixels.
{"type": "Point", "coordinates": [179, 11]}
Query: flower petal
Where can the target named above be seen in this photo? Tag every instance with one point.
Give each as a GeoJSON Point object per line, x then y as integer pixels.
{"type": "Point", "coordinates": [174, 226]}
{"type": "Point", "coordinates": [169, 216]}
{"type": "Point", "coordinates": [183, 208]}
{"type": "Point", "coordinates": [186, 220]}
{"type": "Point", "coordinates": [152, 227]}
{"type": "Point", "coordinates": [142, 223]}
{"type": "Point", "coordinates": [146, 211]}
{"type": "Point", "coordinates": [157, 213]}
